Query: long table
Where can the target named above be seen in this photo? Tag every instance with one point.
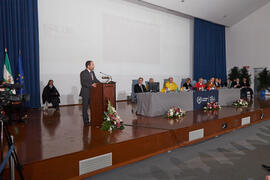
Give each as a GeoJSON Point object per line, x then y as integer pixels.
{"type": "Point", "coordinates": [157, 104]}
{"type": "Point", "coordinates": [227, 96]}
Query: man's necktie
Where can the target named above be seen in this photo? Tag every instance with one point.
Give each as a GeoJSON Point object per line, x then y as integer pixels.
{"type": "Point", "coordinates": [141, 88]}
{"type": "Point", "coordinates": [92, 76]}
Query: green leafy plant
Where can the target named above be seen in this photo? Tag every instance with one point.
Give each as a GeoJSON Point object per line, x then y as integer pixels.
{"type": "Point", "coordinates": [234, 73]}
{"type": "Point", "coordinates": [244, 74]}
{"type": "Point", "coordinates": [264, 80]}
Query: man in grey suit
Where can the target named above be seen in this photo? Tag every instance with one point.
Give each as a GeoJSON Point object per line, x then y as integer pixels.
{"type": "Point", "coordinates": [88, 80]}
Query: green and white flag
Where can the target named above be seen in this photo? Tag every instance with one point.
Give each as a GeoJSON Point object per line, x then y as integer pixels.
{"type": "Point", "coordinates": [7, 73]}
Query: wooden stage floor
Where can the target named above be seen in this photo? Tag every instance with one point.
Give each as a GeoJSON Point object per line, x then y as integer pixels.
{"type": "Point", "coordinates": [51, 143]}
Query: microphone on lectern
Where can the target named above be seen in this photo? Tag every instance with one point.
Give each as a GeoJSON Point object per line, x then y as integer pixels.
{"type": "Point", "coordinates": [106, 76]}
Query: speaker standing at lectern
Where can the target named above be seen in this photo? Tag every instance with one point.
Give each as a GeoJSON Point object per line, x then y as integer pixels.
{"type": "Point", "coordinates": [88, 80]}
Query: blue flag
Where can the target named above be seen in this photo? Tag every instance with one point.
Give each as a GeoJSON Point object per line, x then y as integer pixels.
{"type": "Point", "coordinates": [20, 75]}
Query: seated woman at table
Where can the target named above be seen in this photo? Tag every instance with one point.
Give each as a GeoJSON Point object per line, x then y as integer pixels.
{"type": "Point", "coordinates": [170, 86]}
{"type": "Point", "coordinates": [211, 84]}
{"type": "Point", "coordinates": [199, 85]}
{"type": "Point", "coordinates": [187, 85]}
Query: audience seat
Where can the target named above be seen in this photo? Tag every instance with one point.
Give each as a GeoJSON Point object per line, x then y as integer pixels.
{"type": "Point", "coordinates": [204, 81]}
{"type": "Point", "coordinates": [165, 80]}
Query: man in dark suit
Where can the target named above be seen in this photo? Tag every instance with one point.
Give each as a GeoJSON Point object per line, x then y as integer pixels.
{"type": "Point", "coordinates": [88, 80]}
{"type": "Point", "coordinates": [227, 84]}
{"type": "Point", "coordinates": [139, 88]}
{"type": "Point", "coordinates": [246, 88]}
{"type": "Point", "coordinates": [236, 83]}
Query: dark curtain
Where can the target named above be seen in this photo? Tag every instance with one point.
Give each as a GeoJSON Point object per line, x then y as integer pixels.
{"type": "Point", "coordinates": [209, 50]}
{"type": "Point", "coordinates": [19, 32]}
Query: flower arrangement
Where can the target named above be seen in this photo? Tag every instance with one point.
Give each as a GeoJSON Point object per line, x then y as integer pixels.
{"type": "Point", "coordinates": [175, 112]}
{"type": "Point", "coordinates": [211, 106]}
{"type": "Point", "coordinates": [111, 119]}
{"type": "Point", "coordinates": [240, 103]}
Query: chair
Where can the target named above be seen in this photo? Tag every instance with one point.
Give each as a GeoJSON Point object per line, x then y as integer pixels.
{"type": "Point", "coordinates": [133, 95]}
{"type": "Point", "coordinates": [193, 82]}
{"type": "Point", "coordinates": [156, 88]}
{"type": "Point", "coordinates": [165, 80]}
{"type": "Point", "coordinates": [146, 83]}
{"type": "Point", "coordinates": [204, 81]}
{"type": "Point", "coordinates": [183, 82]}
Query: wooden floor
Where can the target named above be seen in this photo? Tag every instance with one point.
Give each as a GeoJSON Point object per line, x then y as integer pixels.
{"type": "Point", "coordinates": [51, 143]}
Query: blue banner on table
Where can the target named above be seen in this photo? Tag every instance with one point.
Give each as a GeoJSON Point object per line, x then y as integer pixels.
{"type": "Point", "coordinates": [200, 98]}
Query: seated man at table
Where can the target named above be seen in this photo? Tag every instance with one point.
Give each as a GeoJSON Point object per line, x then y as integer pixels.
{"type": "Point", "coordinates": [227, 84]}
{"type": "Point", "coordinates": [245, 88]}
{"type": "Point", "coordinates": [218, 83]}
{"type": "Point", "coordinates": [139, 88]}
{"type": "Point", "coordinates": [170, 86]}
{"type": "Point", "coordinates": [236, 83]}
{"type": "Point", "coordinates": [187, 85]}
{"type": "Point", "coordinates": [199, 85]}
{"type": "Point", "coordinates": [152, 86]}
{"type": "Point", "coordinates": [211, 84]}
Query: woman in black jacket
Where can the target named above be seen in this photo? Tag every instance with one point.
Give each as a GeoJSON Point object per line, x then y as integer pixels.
{"type": "Point", "coordinates": [51, 95]}
{"type": "Point", "coordinates": [187, 85]}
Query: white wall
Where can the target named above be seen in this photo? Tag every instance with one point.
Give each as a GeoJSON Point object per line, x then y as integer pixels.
{"type": "Point", "coordinates": [248, 42]}
{"type": "Point", "coordinates": [125, 40]}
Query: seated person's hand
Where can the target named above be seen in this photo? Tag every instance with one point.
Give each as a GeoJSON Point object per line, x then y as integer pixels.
{"type": "Point", "coordinates": [94, 85]}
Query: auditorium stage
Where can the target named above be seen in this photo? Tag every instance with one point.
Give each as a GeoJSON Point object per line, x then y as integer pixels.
{"type": "Point", "coordinates": [51, 144]}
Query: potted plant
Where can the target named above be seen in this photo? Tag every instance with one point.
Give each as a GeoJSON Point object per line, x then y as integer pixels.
{"type": "Point", "coordinates": [244, 74]}
{"type": "Point", "coordinates": [264, 81]}
{"type": "Point", "coordinates": [234, 73]}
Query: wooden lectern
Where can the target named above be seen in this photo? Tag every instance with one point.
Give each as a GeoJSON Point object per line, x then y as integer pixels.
{"type": "Point", "coordinates": [99, 97]}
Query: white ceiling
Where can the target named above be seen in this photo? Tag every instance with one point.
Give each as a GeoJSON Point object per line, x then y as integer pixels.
{"type": "Point", "coordinates": [226, 12]}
